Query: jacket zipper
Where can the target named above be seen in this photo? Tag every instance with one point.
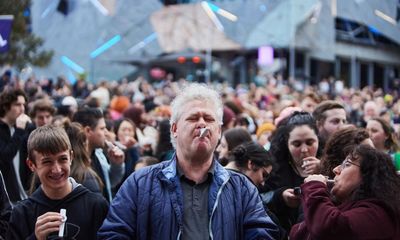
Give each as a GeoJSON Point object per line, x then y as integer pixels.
{"type": "Point", "coordinates": [215, 207]}
{"type": "Point", "coordinates": [179, 234]}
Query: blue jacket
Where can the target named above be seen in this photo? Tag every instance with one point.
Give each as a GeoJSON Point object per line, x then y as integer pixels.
{"type": "Point", "coordinates": [149, 205]}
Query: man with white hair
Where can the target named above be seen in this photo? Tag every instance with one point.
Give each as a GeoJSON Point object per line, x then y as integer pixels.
{"type": "Point", "coordinates": [370, 110]}
{"type": "Point", "coordinates": [191, 196]}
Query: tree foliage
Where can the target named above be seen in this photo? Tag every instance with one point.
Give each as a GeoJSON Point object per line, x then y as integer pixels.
{"type": "Point", "coordinates": [25, 47]}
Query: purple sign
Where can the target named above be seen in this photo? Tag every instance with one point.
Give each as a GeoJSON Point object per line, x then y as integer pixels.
{"type": "Point", "coordinates": [5, 30]}
{"type": "Point", "coordinates": [265, 56]}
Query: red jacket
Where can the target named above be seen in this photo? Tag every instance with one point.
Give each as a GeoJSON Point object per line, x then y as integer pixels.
{"type": "Point", "coordinates": [364, 219]}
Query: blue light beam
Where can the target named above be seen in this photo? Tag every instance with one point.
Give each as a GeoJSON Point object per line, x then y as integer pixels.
{"type": "Point", "coordinates": [213, 7]}
{"type": "Point", "coordinates": [374, 30]}
{"type": "Point", "coordinates": [150, 38]}
{"type": "Point", "coordinates": [222, 12]}
{"type": "Point", "coordinates": [105, 46]}
{"type": "Point", "coordinates": [143, 43]}
{"type": "Point", "coordinates": [73, 65]}
{"type": "Point", "coordinates": [71, 77]}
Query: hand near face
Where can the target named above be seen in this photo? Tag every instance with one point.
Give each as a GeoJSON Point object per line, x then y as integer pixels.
{"type": "Point", "coordinates": [128, 141]}
{"type": "Point", "coordinates": [290, 198]}
{"type": "Point", "coordinates": [22, 120]}
{"type": "Point", "coordinates": [46, 224]}
{"type": "Point", "coordinates": [316, 177]}
{"type": "Point", "coordinates": [311, 165]}
{"type": "Point", "coordinates": [116, 155]}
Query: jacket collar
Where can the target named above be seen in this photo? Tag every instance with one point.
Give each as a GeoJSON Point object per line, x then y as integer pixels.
{"type": "Point", "coordinates": [170, 171]}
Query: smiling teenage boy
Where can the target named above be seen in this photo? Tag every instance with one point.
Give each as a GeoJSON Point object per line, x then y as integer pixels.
{"type": "Point", "coordinates": [38, 217]}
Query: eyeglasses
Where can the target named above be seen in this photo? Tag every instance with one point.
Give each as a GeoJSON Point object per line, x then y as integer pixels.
{"type": "Point", "coordinates": [266, 174]}
{"type": "Point", "coordinates": [347, 162]}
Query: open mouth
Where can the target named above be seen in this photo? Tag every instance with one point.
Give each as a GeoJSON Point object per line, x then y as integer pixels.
{"type": "Point", "coordinates": [56, 177]}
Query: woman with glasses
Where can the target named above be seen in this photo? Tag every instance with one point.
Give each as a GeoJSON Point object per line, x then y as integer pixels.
{"type": "Point", "coordinates": [366, 201]}
{"type": "Point", "coordinates": [295, 147]}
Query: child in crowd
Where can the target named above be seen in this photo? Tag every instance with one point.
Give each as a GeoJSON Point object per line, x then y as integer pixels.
{"type": "Point", "coordinates": [38, 217]}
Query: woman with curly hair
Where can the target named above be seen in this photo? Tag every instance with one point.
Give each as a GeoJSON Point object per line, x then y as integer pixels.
{"type": "Point", "coordinates": [366, 206]}
{"type": "Point", "coordinates": [340, 144]}
{"type": "Point", "coordinates": [295, 147]}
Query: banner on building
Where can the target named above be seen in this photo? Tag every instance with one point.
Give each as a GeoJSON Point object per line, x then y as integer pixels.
{"type": "Point", "coordinates": [5, 31]}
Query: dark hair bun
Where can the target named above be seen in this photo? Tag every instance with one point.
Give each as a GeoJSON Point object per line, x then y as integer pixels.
{"type": "Point", "coordinates": [239, 152]}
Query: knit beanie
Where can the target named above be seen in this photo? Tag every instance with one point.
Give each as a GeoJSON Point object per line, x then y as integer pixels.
{"type": "Point", "coordinates": [265, 127]}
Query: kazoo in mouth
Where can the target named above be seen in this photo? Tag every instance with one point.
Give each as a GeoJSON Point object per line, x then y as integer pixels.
{"type": "Point", "coordinates": [203, 132]}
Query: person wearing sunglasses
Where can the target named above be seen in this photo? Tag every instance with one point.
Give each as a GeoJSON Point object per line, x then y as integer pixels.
{"type": "Point", "coordinates": [252, 160]}
{"type": "Point", "coordinates": [363, 203]}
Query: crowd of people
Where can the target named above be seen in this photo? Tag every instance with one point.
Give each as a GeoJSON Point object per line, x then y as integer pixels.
{"type": "Point", "coordinates": [174, 159]}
